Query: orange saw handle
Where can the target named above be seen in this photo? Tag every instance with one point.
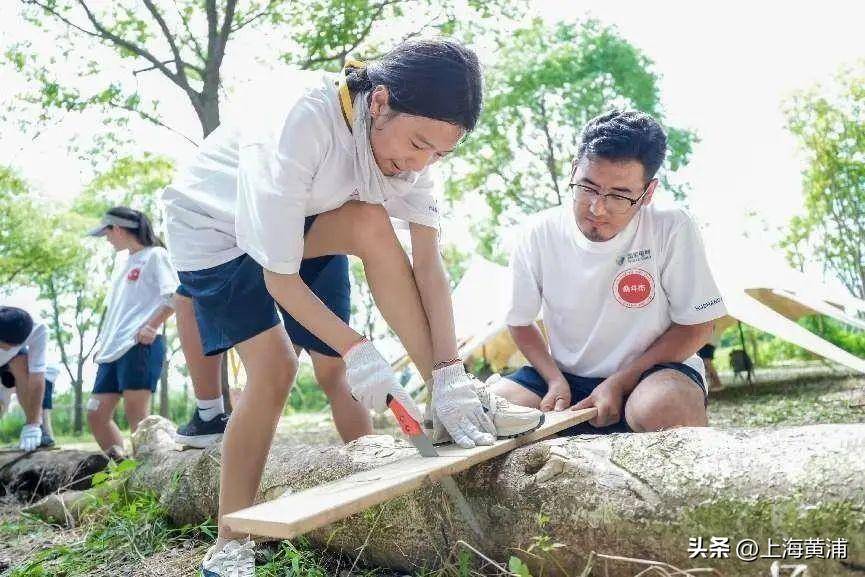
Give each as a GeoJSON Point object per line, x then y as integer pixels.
{"type": "Point", "coordinates": [407, 423]}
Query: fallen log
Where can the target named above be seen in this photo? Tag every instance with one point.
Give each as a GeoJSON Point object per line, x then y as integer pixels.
{"type": "Point", "coordinates": [41, 473]}
{"type": "Point", "coordinates": [649, 496]}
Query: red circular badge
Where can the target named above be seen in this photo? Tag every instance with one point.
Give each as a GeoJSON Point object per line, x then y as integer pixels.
{"type": "Point", "coordinates": [133, 274]}
{"type": "Point", "coordinates": [634, 288]}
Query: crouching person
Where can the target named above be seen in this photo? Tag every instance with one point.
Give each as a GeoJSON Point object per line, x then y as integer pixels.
{"type": "Point", "coordinates": [625, 288]}
{"type": "Point", "coordinates": [23, 345]}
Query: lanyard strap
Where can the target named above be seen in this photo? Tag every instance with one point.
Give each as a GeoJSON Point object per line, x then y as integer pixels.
{"type": "Point", "coordinates": [345, 103]}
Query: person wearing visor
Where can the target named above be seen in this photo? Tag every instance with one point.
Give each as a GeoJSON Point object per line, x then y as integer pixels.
{"type": "Point", "coordinates": [131, 351]}
{"type": "Point", "coordinates": [319, 172]}
{"type": "Point", "coordinates": [625, 288]}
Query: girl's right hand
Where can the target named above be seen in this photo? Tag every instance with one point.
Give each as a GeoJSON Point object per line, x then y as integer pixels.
{"type": "Point", "coordinates": [370, 377]}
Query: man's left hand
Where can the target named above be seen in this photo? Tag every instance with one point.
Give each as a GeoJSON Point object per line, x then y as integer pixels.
{"type": "Point", "coordinates": [146, 335]}
{"type": "Point", "coordinates": [609, 398]}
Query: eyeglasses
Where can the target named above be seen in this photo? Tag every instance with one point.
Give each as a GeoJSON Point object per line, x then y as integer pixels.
{"type": "Point", "coordinates": [613, 203]}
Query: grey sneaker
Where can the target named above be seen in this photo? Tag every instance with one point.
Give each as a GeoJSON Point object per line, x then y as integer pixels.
{"type": "Point", "coordinates": [235, 559]}
{"type": "Point", "coordinates": [510, 420]}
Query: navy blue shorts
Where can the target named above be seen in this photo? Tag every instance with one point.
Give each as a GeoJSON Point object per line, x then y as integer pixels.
{"type": "Point", "coordinates": [232, 304]}
{"type": "Point", "coordinates": [582, 387]}
{"type": "Point", "coordinates": [138, 369]}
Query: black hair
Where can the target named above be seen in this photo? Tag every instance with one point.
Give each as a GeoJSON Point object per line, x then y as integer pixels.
{"type": "Point", "coordinates": [436, 78]}
{"type": "Point", "coordinates": [144, 234]}
{"type": "Point", "coordinates": [624, 135]}
{"type": "Point", "coordinates": [15, 325]}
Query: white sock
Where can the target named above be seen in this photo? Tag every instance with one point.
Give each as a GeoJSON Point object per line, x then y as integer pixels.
{"type": "Point", "coordinates": [209, 409]}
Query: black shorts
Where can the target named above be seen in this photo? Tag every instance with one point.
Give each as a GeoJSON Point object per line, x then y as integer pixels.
{"type": "Point", "coordinates": [582, 387]}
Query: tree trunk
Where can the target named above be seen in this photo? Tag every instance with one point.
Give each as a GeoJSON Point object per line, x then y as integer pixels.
{"type": "Point", "coordinates": [163, 392]}
{"type": "Point", "coordinates": [634, 495]}
{"type": "Point", "coordinates": [78, 416]}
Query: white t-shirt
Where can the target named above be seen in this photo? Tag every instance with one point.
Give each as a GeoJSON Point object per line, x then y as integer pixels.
{"type": "Point", "coordinates": [140, 286]}
{"type": "Point", "coordinates": [37, 346]}
{"type": "Point", "coordinates": [253, 181]}
{"type": "Point", "coordinates": [52, 370]}
{"type": "Point", "coordinates": [605, 303]}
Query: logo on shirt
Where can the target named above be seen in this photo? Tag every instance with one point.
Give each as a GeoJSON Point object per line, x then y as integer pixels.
{"type": "Point", "coordinates": [133, 274]}
{"type": "Point", "coordinates": [634, 288]}
{"type": "Point", "coordinates": [634, 257]}
{"type": "Point", "coordinates": [706, 305]}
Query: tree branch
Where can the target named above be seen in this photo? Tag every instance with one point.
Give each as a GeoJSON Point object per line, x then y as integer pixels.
{"type": "Point", "coordinates": [151, 118]}
{"type": "Point", "coordinates": [134, 48]}
{"type": "Point", "coordinates": [178, 60]}
{"type": "Point", "coordinates": [310, 62]}
{"type": "Point", "coordinates": [270, 5]}
{"type": "Point", "coordinates": [193, 41]}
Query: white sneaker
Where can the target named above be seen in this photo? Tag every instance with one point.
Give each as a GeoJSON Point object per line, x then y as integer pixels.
{"type": "Point", "coordinates": [236, 559]}
{"type": "Point", "coordinates": [510, 420]}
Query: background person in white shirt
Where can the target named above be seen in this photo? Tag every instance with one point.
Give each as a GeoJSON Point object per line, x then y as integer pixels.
{"type": "Point", "coordinates": [321, 172]}
{"type": "Point", "coordinates": [626, 292]}
{"type": "Point", "coordinates": [8, 388]}
{"type": "Point", "coordinates": [25, 372]}
{"type": "Point", "coordinates": [131, 350]}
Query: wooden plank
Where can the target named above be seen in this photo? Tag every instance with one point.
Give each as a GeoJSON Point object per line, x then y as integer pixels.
{"type": "Point", "coordinates": [298, 513]}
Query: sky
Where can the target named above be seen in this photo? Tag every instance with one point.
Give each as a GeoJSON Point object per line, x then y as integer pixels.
{"type": "Point", "coordinates": [725, 67]}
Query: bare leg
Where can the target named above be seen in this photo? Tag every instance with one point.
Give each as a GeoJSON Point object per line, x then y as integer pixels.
{"type": "Point", "coordinates": [136, 403]}
{"type": "Point", "coordinates": [29, 396]}
{"type": "Point", "coordinates": [204, 371]}
{"type": "Point", "coordinates": [271, 366]}
{"type": "Point", "coordinates": [364, 230]}
{"type": "Point", "coordinates": [100, 411]}
{"type": "Point", "coordinates": [352, 420]}
{"type": "Point", "coordinates": [665, 400]}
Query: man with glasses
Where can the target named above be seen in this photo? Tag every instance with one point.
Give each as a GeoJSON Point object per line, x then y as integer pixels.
{"type": "Point", "coordinates": [626, 293]}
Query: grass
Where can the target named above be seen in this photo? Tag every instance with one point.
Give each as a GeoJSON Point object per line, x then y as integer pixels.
{"type": "Point", "coordinates": [785, 404]}
{"type": "Point", "coordinates": [130, 533]}
{"type": "Point", "coordinates": [128, 526]}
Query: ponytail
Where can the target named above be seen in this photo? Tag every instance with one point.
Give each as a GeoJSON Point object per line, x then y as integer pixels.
{"type": "Point", "coordinates": [143, 233]}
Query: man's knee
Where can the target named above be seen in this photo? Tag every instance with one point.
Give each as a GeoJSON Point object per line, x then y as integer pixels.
{"type": "Point", "coordinates": [665, 406]}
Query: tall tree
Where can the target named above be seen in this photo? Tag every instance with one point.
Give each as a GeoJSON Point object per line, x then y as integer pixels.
{"type": "Point", "coordinates": [186, 42]}
{"type": "Point", "coordinates": [42, 248]}
{"type": "Point", "coordinates": [829, 121]}
{"type": "Point", "coordinates": [547, 82]}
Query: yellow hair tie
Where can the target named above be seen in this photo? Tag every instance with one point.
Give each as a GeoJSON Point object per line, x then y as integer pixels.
{"type": "Point", "coordinates": [344, 94]}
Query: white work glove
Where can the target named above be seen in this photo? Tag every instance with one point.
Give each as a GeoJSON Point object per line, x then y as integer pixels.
{"type": "Point", "coordinates": [371, 380]}
{"type": "Point", "coordinates": [31, 438]}
{"type": "Point", "coordinates": [456, 403]}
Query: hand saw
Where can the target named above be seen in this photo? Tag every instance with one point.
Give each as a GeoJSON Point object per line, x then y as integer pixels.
{"type": "Point", "coordinates": [412, 429]}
